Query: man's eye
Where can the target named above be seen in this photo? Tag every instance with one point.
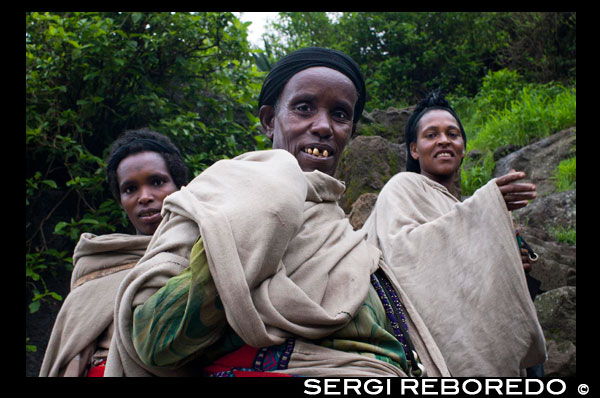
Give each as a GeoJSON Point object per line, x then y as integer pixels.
{"type": "Point", "coordinates": [129, 189]}
{"type": "Point", "coordinates": [158, 182]}
{"type": "Point", "coordinates": [303, 108]}
{"type": "Point", "coordinates": [341, 115]}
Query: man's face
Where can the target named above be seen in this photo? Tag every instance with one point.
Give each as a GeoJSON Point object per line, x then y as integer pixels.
{"type": "Point", "coordinates": [313, 119]}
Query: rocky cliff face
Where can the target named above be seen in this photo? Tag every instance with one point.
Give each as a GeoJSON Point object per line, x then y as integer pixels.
{"type": "Point", "coordinates": [378, 152]}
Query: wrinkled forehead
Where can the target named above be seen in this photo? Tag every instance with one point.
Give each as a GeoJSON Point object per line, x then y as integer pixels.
{"type": "Point", "coordinates": [320, 81]}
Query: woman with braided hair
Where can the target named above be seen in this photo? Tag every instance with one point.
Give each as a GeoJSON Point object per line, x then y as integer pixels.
{"type": "Point", "coordinates": [458, 261]}
{"type": "Point", "coordinates": [143, 168]}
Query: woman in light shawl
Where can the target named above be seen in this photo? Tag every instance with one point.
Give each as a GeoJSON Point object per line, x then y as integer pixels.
{"type": "Point", "coordinates": [256, 271]}
{"type": "Point", "coordinates": [458, 261]}
{"type": "Point", "coordinates": [143, 168]}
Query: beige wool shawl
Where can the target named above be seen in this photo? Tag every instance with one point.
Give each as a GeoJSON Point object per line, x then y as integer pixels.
{"type": "Point", "coordinates": [283, 258]}
{"type": "Point", "coordinates": [460, 264]}
{"type": "Point", "coordinates": [100, 264]}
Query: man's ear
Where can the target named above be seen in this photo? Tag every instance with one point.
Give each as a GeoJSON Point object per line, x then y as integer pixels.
{"type": "Point", "coordinates": [266, 114]}
{"type": "Point", "coordinates": [413, 150]}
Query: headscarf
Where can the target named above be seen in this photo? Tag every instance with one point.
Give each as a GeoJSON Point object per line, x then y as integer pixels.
{"type": "Point", "coordinates": [435, 100]}
{"type": "Point", "coordinates": [306, 58]}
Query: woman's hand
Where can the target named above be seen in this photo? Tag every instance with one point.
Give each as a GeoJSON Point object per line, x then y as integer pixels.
{"type": "Point", "coordinates": [525, 260]}
{"type": "Point", "coordinates": [516, 195]}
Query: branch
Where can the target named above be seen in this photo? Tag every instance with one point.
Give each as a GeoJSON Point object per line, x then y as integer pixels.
{"type": "Point", "coordinates": [46, 219]}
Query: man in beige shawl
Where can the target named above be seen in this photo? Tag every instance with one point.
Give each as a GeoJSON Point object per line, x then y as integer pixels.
{"type": "Point", "coordinates": [143, 168]}
{"type": "Point", "coordinates": [283, 259]}
{"type": "Point", "coordinates": [293, 267]}
{"type": "Point", "coordinates": [458, 261]}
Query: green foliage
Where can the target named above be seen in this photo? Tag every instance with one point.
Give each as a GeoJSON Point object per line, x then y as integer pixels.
{"type": "Point", "coordinates": [536, 112]}
{"type": "Point", "coordinates": [498, 90]}
{"type": "Point", "coordinates": [29, 347]}
{"type": "Point", "coordinates": [35, 264]}
{"type": "Point", "coordinates": [92, 75]}
{"type": "Point", "coordinates": [404, 55]}
{"type": "Point", "coordinates": [506, 111]}
{"type": "Point", "coordinates": [542, 45]}
{"type": "Point", "coordinates": [564, 235]}
{"type": "Point", "coordinates": [565, 176]}
{"type": "Point", "coordinates": [477, 174]}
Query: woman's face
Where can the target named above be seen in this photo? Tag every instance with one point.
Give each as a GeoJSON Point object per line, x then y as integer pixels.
{"type": "Point", "coordinates": [144, 182]}
{"type": "Point", "coordinates": [313, 119]}
{"type": "Point", "coordinates": [439, 147]}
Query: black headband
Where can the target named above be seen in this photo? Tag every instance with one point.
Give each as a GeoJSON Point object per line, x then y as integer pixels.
{"type": "Point", "coordinates": [141, 144]}
{"type": "Point", "coordinates": [435, 100]}
{"type": "Point", "coordinates": [306, 58]}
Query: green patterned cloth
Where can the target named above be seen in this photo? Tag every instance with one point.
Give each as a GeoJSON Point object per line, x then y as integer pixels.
{"type": "Point", "coordinates": [185, 319]}
{"type": "Point", "coordinates": [370, 334]}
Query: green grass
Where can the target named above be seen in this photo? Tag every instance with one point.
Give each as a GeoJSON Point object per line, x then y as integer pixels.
{"type": "Point", "coordinates": [564, 235]}
{"type": "Point", "coordinates": [565, 175]}
{"type": "Point", "coordinates": [507, 111]}
{"type": "Point", "coordinates": [536, 113]}
{"type": "Point", "coordinates": [477, 174]}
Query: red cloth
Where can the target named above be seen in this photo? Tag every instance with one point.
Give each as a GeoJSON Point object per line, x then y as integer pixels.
{"type": "Point", "coordinates": [240, 364]}
{"type": "Point", "coordinates": [98, 370]}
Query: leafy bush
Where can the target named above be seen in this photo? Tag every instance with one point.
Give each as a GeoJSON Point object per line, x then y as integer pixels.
{"type": "Point", "coordinates": [404, 55]}
{"type": "Point", "coordinates": [92, 75]}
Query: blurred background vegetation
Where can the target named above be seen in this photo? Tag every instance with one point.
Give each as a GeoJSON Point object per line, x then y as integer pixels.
{"type": "Point", "coordinates": [196, 78]}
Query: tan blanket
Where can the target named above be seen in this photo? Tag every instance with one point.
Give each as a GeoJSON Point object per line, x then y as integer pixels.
{"type": "Point", "coordinates": [283, 257]}
{"type": "Point", "coordinates": [100, 264]}
{"type": "Point", "coordinates": [461, 267]}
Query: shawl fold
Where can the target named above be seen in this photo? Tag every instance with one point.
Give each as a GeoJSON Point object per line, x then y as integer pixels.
{"type": "Point", "coordinates": [460, 264]}
{"type": "Point", "coordinates": [88, 309]}
{"type": "Point", "coordinates": [283, 257]}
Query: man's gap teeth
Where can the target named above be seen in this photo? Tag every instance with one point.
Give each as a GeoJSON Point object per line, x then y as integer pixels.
{"type": "Point", "coordinates": [317, 152]}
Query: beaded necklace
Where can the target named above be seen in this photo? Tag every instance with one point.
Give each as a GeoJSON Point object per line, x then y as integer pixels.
{"type": "Point", "coordinates": [395, 314]}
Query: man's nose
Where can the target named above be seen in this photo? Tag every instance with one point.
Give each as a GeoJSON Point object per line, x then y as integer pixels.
{"type": "Point", "coordinates": [322, 124]}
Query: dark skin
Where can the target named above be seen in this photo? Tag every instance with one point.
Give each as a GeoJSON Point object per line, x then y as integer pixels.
{"type": "Point", "coordinates": [313, 119]}
{"type": "Point", "coordinates": [144, 182]}
{"type": "Point", "coordinates": [438, 132]}
{"type": "Point", "coordinates": [517, 195]}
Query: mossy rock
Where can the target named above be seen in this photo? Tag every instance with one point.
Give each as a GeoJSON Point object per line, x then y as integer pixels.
{"type": "Point", "coordinates": [367, 163]}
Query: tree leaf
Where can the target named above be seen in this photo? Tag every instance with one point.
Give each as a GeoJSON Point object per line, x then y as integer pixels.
{"type": "Point", "coordinates": [34, 307]}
